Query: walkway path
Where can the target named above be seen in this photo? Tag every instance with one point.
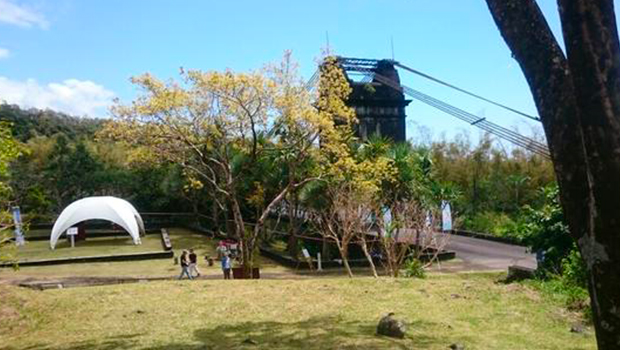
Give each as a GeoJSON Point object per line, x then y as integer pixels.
{"type": "Point", "coordinates": [474, 254]}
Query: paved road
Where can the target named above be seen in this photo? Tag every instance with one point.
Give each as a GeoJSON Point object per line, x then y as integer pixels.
{"type": "Point", "coordinates": [474, 254]}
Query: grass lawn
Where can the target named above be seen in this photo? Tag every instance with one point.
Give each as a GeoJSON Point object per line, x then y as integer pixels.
{"type": "Point", "coordinates": [328, 313]}
{"type": "Point", "coordinates": [181, 239]}
{"type": "Point", "coordinates": [38, 250]}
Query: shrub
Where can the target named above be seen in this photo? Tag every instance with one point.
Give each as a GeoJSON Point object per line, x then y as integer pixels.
{"type": "Point", "coordinates": [574, 271]}
{"type": "Point", "coordinates": [546, 232]}
{"type": "Point", "coordinates": [414, 268]}
{"type": "Point", "coordinates": [498, 224]}
{"type": "Point", "coordinates": [573, 297]}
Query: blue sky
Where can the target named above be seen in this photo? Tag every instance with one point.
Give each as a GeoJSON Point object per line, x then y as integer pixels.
{"type": "Point", "coordinates": [75, 55]}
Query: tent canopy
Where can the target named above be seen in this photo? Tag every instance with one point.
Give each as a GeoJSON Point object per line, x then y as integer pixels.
{"type": "Point", "coordinates": [117, 210]}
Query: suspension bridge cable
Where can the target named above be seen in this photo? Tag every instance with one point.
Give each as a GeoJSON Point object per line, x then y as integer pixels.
{"type": "Point", "coordinates": [415, 71]}
{"type": "Point", "coordinates": [470, 118]}
{"type": "Point", "coordinates": [482, 123]}
{"type": "Point", "coordinates": [368, 68]}
{"type": "Point", "coordinates": [355, 63]}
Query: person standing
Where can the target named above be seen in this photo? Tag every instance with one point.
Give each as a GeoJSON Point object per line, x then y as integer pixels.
{"type": "Point", "coordinates": [193, 263]}
{"type": "Point", "coordinates": [221, 250]}
{"type": "Point", "coordinates": [226, 265]}
{"type": "Point", "coordinates": [185, 266]}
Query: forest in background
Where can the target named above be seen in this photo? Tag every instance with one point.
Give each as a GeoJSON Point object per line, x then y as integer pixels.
{"type": "Point", "coordinates": [492, 190]}
{"type": "Point", "coordinates": [61, 162]}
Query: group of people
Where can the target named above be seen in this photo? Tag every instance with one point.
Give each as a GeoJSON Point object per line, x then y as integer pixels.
{"type": "Point", "coordinates": [189, 264]}
{"type": "Point", "coordinates": [189, 261]}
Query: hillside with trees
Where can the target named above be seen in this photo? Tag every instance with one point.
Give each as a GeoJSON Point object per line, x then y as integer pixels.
{"type": "Point", "coordinates": [241, 148]}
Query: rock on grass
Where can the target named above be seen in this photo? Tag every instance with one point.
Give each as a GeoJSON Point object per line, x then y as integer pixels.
{"type": "Point", "coordinates": [391, 327]}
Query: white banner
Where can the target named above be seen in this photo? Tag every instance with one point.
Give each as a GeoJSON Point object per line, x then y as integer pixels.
{"type": "Point", "coordinates": [17, 220]}
{"type": "Point", "coordinates": [446, 216]}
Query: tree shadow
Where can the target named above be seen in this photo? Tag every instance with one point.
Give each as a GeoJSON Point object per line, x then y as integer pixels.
{"type": "Point", "coordinates": [115, 342]}
{"type": "Point", "coordinates": [313, 333]}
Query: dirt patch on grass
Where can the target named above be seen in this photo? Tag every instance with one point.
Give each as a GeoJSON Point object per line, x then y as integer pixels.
{"type": "Point", "coordinates": [10, 306]}
{"type": "Point", "coordinates": [8, 313]}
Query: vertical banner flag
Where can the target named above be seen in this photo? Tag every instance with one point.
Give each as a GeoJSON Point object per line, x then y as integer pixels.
{"type": "Point", "coordinates": [17, 220]}
{"type": "Point", "coordinates": [446, 216]}
{"type": "Point", "coordinates": [387, 222]}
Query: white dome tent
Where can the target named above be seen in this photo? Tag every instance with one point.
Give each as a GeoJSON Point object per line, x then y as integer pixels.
{"type": "Point", "coordinates": [117, 210]}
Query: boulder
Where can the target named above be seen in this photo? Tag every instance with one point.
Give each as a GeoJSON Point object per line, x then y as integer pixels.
{"type": "Point", "coordinates": [391, 327]}
{"type": "Point", "coordinates": [577, 328]}
{"type": "Point", "coordinates": [519, 273]}
{"type": "Point", "coordinates": [250, 341]}
{"type": "Point", "coordinates": [457, 346]}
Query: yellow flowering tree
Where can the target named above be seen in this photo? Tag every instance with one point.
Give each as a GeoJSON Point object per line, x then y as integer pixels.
{"type": "Point", "coordinates": [352, 183]}
{"type": "Point", "coordinates": [222, 127]}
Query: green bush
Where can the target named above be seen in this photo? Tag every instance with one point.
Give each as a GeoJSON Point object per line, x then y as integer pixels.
{"type": "Point", "coordinates": [556, 287]}
{"type": "Point", "coordinates": [498, 224]}
{"type": "Point", "coordinates": [563, 273]}
{"type": "Point", "coordinates": [414, 268]}
{"type": "Point", "coordinates": [545, 231]}
{"type": "Point", "coordinates": [574, 271]}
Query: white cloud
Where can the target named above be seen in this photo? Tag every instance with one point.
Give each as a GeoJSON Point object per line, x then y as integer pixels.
{"type": "Point", "coordinates": [72, 96]}
{"type": "Point", "coordinates": [22, 16]}
{"type": "Point", "coordinates": [4, 53]}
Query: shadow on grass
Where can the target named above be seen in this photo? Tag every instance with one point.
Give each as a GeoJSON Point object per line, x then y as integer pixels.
{"type": "Point", "coordinates": [313, 333]}
{"type": "Point", "coordinates": [98, 242]}
{"type": "Point", "coordinates": [116, 342]}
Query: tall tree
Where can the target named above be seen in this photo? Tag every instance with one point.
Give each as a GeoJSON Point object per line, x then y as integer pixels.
{"type": "Point", "coordinates": [57, 170]}
{"type": "Point", "coordinates": [8, 152]}
{"type": "Point", "coordinates": [578, 98]}
{"type": "Point", "coordinates": [71, 171]}
{"type": "Point", "coordinates": [222, 128]}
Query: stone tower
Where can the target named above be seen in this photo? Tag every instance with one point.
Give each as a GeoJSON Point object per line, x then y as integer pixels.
{"type": "Point", "coordinates": [380, 109]}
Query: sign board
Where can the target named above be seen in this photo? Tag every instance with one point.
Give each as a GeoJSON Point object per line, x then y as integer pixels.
{"type": "Point", "coordinates": [165, 238]}
{"type": "Point", "coordinates": [305, 252]}
{"type": "Point", "coordinates": [306, 255]}
{"type": "Point", "coordinates": [72, 232]}
{"type": "Point", "coordinates": [17, 220]}
{"type": "Point", "coordinates": [446, 216]}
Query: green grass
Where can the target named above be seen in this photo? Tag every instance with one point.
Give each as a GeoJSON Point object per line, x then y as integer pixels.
{"type": "Point", "coordinates": [40, 232]}
{"type": "Point", "coordinates": [323, 313]}
{"type": "Point", "coordinates": [181, 239]}
{"type": "Point", "coordinates": [38, 250]}
{"type": "Point", "coordinates": [573, 297]}
{"type": "Point", "coordinates": [335, 313]}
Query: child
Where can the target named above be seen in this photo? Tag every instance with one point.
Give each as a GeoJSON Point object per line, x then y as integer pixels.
{"type": "Point", "coordinates": [226, 265]}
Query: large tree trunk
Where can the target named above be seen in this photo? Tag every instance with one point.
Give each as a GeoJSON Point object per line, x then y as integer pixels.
{"type": "Point", "coordinates": [578, 99]}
